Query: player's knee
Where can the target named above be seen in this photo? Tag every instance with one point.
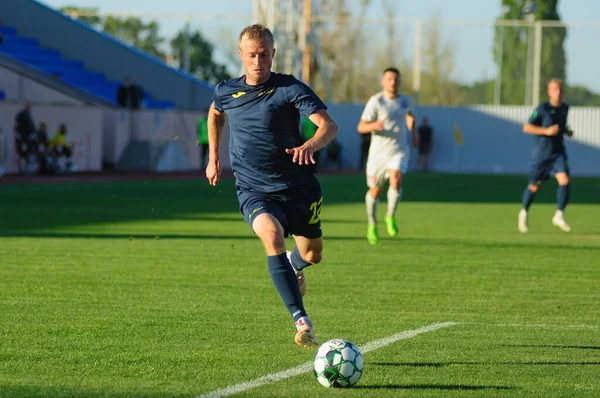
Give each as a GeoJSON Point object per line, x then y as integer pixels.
{"type": "Point", "coordinates": [313, 257]}
{"type": "Point", "coordinates": [533, 188]}
{"type": "Point", "coordinates": [563, 180]}
{"type": "Point", "coordinates": [397, 184]}
{"type": "Point", "coordinates": [375, 192]}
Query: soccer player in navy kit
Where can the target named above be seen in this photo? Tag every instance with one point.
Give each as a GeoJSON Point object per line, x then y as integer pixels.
{"type": "Point", "coordinates": [548, 124]}
{"type": "Point", "coordinates": [274, 169]}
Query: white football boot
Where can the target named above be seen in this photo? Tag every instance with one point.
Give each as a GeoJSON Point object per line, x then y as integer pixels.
{"type": "Point", "coordinates": [523, 227]}
{"type": "Point", "coordinates": [305, 337]}
{"type": "Point", "coordinates": [559, 221]}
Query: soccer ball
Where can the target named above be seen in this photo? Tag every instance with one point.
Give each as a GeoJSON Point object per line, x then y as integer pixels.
{"type": "Point", "coordinates": [338, 363]}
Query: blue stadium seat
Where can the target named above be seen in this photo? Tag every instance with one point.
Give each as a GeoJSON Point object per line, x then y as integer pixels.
{"type": "Point", "coordinates": [72, 72]}
{"type": "Point", "coordinates": [8, 31]}
{"type": "Point", "coordinates": [25, 41]}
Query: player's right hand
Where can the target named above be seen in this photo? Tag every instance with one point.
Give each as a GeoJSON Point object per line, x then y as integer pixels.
{"type": "Point", "coordinates": [552, 130]}
{"type": "Point", "coordinates": [378, 125]}
{"type": "Point", "coordinates": [213, 172]}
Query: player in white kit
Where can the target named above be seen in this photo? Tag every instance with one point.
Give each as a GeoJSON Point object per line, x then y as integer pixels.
{"type": "Point", "coordinates": [387, 117]}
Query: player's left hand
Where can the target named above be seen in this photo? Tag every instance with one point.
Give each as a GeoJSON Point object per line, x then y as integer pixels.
{"type": "Point", "coordinates": [302, 155]}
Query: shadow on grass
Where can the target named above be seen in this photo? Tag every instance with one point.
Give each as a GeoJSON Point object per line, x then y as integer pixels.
{"type": "Point", "coordinates": [47, 391]}
{"type": "Point", "coordinates": [442, 364]}
{"type": "Point", "coordinates": [399, 241]}
{"type": "Point", "coordinates": [432, 387]}
{"type": "Point", "coordinates": [40, 207]}
{"type": "Point", "coordinates": [581, 347]}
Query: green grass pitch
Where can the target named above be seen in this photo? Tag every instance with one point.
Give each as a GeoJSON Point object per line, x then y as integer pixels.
{"type": "Point", "coordinates": [160, 289]}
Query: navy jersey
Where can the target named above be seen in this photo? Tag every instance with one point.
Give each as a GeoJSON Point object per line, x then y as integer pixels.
{"type": "Point", "coordinates": [546, 115]}
{"type": "Point", "coordinates": [264, 121]}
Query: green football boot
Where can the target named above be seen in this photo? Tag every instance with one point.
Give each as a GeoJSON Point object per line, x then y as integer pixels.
{"type": "Point", "coordinates": [392, 228]}
{"type": "Point", "coordinates": [372, 235]}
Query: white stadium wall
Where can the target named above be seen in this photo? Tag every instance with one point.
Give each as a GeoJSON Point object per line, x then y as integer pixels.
{"type": "Point", "coordinates": [191, 121]}
{"type": "Point", "coordinates": [493, 140]}
{"type": "Point", "coordinates": [117, 133]}
{"type": "Point", "coordinates": [101, 134]}
{"type": "Point", "coordinates": [165, 126]}
{"type": "Point", "coordinates": [18, 88]}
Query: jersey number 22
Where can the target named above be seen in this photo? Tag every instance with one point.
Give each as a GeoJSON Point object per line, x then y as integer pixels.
{"type": "Point", "coordinates": [316, 207]}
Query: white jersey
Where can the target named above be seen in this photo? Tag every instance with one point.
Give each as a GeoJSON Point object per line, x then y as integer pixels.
{"type": "Point", "coordinates": [393, 139]}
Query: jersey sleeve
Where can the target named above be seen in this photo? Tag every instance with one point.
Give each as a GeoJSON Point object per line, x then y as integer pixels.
{"type": "Point", "coordinates": [370, 112]}
{"type": "Point", "coordinates": [217, 97]}
{"type": "Point", "coordinates": [536, 116]}
{"type": "Point", "coordinates": [304, 98]}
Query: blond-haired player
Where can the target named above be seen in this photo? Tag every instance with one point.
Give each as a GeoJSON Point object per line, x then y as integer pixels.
{"type": "Point", "coordinates": [274, 167]}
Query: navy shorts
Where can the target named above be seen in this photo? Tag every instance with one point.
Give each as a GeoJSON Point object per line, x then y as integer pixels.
{"type": "Point", "coordinates": [297, 209]}
{"type": "Point", "coordinates": [542, 170]}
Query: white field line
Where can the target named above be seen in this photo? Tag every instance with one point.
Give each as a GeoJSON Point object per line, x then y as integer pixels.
{"type": "Point", "coordinates": [306, 367]}
{"type": "Point", "coordinates": [371, 346]}
{"type": "Point", "coordinates": [532, 325]}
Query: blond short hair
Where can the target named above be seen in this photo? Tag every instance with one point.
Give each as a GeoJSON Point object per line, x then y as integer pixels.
{"type": "Point", "coordinates": [257, 32]}
{"type": "Point", "coordinates": [556, 80]}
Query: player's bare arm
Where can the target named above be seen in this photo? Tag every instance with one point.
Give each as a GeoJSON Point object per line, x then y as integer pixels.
{"type": "Point", "coordinates": [216, 123]}
{"type": "Point", "coordinates": [531, 128]}
{"type": "Point", "coordinates": [327, 130]}
{"type": "Point", "coordinates": [412, 127]}
{"type": "Point", "coordinates": [365, 127]}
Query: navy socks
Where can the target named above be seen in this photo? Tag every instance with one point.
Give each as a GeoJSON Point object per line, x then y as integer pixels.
{"type": "Point", "coordinates": [528, 196]}
{"type": "Point", "coordinates": [285, 282]}
{"type": "Point", "coordinates": [562, 196]}
{"type": "Point", "coordinates": [297, 260]}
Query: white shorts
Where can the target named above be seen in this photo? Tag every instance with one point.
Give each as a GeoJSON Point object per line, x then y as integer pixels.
{"type": "Point", "coordinates": [378, 168]}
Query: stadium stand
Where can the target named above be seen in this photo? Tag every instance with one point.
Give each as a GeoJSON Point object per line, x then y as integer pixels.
{"type": "Point", "coordinates": [94, 59]}
{"type": "Point", "coordinates": [50, 61]}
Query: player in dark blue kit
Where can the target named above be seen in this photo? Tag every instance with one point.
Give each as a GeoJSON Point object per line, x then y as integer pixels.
{"type": "Point", "coordinates": [548, 124]}
{"type": "Point", "coordinates": [273, 168]}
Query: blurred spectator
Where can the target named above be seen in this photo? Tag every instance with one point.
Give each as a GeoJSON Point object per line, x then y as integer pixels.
{"type": "Point", "coordinates": [123, 93]}
{"type": "Point", "coordinates": [130, 95]}
{"type": "Point", "coordinates": [365, 143]}
{"type": "Point", "coordinates": [1, 34]}
{"type": "Point", "coordinates": [308, 131]}
{"type": "Point", "coordinates": [203, 138]}
{"type": "Point", "coordinates": [22, 148]}
{"type": "Point", "coordinates": [40, 146]}
{"type": "Point", "coordinates": [24, 127]}
{"type": "Point", "coordinates": [425, 144]}
{"type": "Point", "coordinates": [62, 149]}
{"type": "Point", "coordinates": [24, 121]}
